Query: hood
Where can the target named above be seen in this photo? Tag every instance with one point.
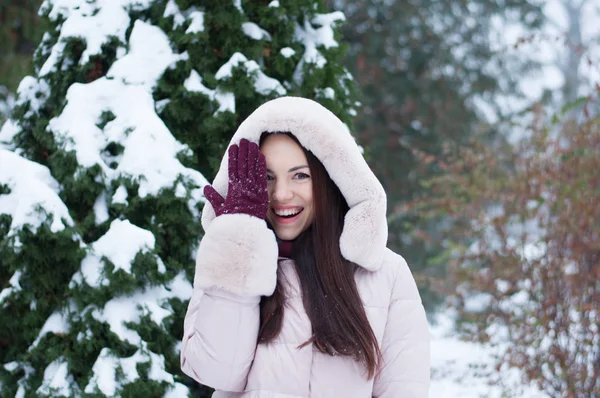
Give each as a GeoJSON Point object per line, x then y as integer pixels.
{"type": "Point", "coordinates": [364, 236]}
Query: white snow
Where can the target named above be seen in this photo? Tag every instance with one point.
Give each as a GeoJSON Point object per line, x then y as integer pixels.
{"type": "Point", "coordinates": [238, 5]}
{"type": "Point", "coordinates": [103, 377]}
{"type": "Point", "coordinates": [116, 313]}
{"type": "Point", "coordinates": [33, 91]}
{"type": "Point", "coordinates": [197, 24]}
{"type": "Point", "coordinates": [106, 17]}
{"type": "Point", "coordinates": [225, 71]}
{"type": "Point", "coordinates": [255, 32]}
{"type": "Point", "coordinates": [33, 194]}
{"type": "Point", "coordinates": [194, 83]}
{"type": "Point", "coordinates": [11, 366]}
{"type": "Point", "coordinates": [226, 101]}
{"type": "Point", "coordinates": [262, 83]}
{"type": "Point", "coordinates": [287, 52]}
{"type": "Point", "coordinates": [56, 379]}
{"type": "Point", "coordinates": [120, 196]}
{"type": "Point", "coordinates": [312, 38]}
{"type": "Point", "coordinates": [104, 371]}
{"type": "Point", "coordinates": [129, 309]}
{"type": "Point", "coordinates": [149, 55]}
{"type": "Point", "coordinates": [178, 390]}
{"type": "Point", "coordinates": [56, 323]}
{"type": "Point", "coordinates": [7, 133]}
{"type": "Point", "coordinates": [150, 150]}
{"type": "Point", "coordinates": [110, 246]}
{"type": "Point", "coordinates": [326, 92]}
{"type": "Point", "coordinates": [101, 208]}
{"type": "Point", "coordinates": [14, 286]}
{"type": "Point", "coordinates": [138, 241]}
{"type": "Point", "coordinates": [14, 366]}
{"type": "Point", "coordinates": [88, 335]}
{"type": "Point", "coordinates": [462, 369]}
{"type": "Point", "coordinates": [172, 9]}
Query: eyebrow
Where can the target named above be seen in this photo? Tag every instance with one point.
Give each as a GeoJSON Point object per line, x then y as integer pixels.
{"type": "Point", "coordinates": [292, 169]}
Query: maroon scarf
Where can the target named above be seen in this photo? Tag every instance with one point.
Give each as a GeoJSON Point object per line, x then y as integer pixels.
{"type": "Point", "coordinates": [285, 248]}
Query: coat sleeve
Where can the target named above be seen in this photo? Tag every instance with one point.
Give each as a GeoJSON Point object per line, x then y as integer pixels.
{"type": "Point", "coordinates": [405, 347]}
{"type": "Point", "coordinates": [236, 264]}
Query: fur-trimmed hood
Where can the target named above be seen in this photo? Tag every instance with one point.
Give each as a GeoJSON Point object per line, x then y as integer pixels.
{"type": "Point", "coordinates": [364, 237]}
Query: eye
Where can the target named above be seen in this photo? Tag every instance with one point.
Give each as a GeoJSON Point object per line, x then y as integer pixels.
{"type": "Point", "coordinates": [301, 176]}
{"type": "Point", "coordinates": [270, 177]}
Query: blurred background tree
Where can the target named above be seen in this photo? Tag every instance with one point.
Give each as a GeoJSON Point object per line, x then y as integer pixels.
{"type": "Point", "coordinates": [527, 280]}
{"type": "Point", "coordinates": [423, 68]}
{"type": "Point", "coordinates": [530, 280]}
{"type": "Point", "coordinates": [20, 30]}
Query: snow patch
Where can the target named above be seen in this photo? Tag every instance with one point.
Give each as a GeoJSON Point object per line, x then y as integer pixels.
{"type": "Point", "coordinates": [178, 390]}
{"type": "Point", "coordinates": [262, 83]}
{"type": "Point", "coordinates": [255, 32]}
{"type": "Point", "coordinates": [468, 370]}
{"type": "Point", "coordinates": [287, 52]}
{"type": "Point", "coordinates": [120, 196]}
{"type": "Point", "coordinates": [313, 38]}
{"type": "Point", "coordinates": [57, 379]}
{"type": "Point", "coordinates": [149, 55]}
{"type": "Point", "coordinates": [14, 287]}
{"type": "Point", "coordinates": [95, 23]}
{"type": "Point", "coordinates": [57, 323]}
{"type": "Point", "coordinates": [238, 4]}
{"type": "Point", "coordinates": [172, 9]}
{"type": "Point", "coordinates": [226, 101]}
{"type": "Point", "coordinates": [326, 92]}
{"type": "Point", "coordinates": [121, 310]}
{"type": "Point", "coordinates": [32, 91]}
{"type": "Point", "coordinates": [101, 208]}
{"type": "Point", "coordinates": [8, 131]}
{"type": "Point", "coordinates": [33, 196]}
{"type": "Point", "coordinates": [110, 246]}
{"type": "Point", "coordinates": [197, 24]}
{"type": "Point", "coordinates": [150, 150]}
{"type": "Point", "coordinates": [105, 371]}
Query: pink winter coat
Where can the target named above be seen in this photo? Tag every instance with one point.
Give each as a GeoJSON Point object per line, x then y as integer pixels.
{"type": "Point", "coordinates": [237, 263]}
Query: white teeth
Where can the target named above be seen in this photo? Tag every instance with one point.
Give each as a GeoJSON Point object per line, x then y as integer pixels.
{"type": "Point", "coordinates": [291, 212]}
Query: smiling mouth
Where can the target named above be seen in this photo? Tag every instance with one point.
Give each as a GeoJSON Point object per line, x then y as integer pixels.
{"type": "Point", "coordinates": [288, 213]}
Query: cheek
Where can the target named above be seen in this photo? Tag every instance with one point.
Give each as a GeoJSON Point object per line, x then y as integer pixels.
{"type": "Point", "coordinates": [270, 190]}
{"type": "Point", "coordinates": [308, 194]}
{"type": "Point", "coordinates": [307, 197]}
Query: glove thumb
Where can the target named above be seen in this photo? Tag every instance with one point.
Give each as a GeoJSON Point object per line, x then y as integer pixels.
{"type": "Point", "coordinates": [215, 199]}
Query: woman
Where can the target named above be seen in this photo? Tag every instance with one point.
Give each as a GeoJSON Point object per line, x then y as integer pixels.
{"type": "Point", "coordinates": [295, 293]}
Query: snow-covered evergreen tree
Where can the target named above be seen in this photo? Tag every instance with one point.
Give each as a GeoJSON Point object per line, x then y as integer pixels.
{"type": "Point", "coordinates": [101, 172]}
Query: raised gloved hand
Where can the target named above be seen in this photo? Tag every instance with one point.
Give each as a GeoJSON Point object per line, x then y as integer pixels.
{"type": "Point", "coordinates": [247, 192]}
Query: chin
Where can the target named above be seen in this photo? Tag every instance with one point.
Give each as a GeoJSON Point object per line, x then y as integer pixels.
{"type": "Point", "coordinates": [287, 235]}
{"type": "Point", "coordinates": [289, 231]}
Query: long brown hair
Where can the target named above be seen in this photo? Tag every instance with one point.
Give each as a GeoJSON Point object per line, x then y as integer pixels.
{"type": "Point", "coordinates": [329, 292]}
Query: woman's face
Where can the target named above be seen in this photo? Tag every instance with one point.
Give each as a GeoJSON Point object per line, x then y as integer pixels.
{"type": "Point", "coordinates": [290, 186]}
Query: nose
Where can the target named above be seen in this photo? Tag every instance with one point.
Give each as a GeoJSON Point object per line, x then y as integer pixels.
{"type": "Point", "coordinates": [282, 192]}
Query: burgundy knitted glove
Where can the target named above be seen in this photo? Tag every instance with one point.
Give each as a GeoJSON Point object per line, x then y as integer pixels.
{"type": "Point", "coordinates": [247, 191]}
